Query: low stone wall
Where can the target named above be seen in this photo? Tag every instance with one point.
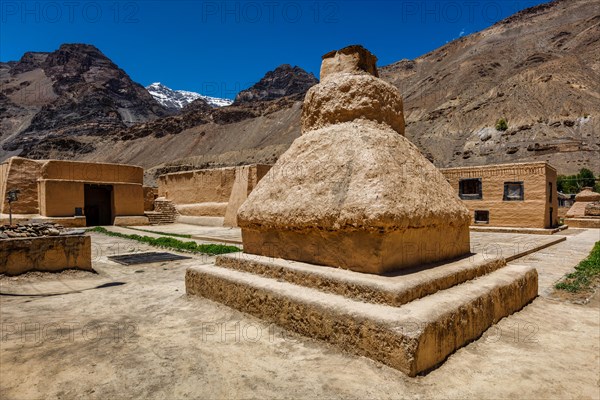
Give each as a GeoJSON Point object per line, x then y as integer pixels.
{"type": "Point", "coordinates": [203, 209]}
{"type": "Point", "coordinates": [70, 222]}
{"type": "Point", "coordinates": [46, 254]}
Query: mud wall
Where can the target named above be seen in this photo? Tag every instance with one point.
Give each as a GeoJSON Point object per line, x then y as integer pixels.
{"type": "Point", "coordinates": [22, 174]}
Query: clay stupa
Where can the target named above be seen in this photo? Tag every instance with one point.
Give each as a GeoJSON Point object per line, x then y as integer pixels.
{"type": "Point", "coordinates": [584, 201]}
{"type": "Point", "coordinates": [352, 191]}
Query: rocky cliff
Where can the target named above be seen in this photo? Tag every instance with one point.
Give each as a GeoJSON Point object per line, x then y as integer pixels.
{"type": "Point", "coordinates": [284, 80]}
{"type": "Point", "coordinates": [49, 100]}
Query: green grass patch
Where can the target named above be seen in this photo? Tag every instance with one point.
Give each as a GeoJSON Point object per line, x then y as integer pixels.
{"type": "Point", "coordinates": [172, 243]}
{"type": "Point", "coordinates": [584, 275]}
{"type": "Point", "coordinates": [160, 233]}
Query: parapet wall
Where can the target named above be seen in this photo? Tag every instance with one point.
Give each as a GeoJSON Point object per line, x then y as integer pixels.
{"type": "Point", "coordinates": [91, 172]}
{"type": "Point", "coordinates": [500, 170]}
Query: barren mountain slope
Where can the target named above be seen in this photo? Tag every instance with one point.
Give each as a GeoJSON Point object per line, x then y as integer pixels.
{"type": "Point", "coordinates": [49, 99]}
{"type": "Point", "coordinates": [539, 69]}
{"type": "Point", "coordinates": [260, 139]}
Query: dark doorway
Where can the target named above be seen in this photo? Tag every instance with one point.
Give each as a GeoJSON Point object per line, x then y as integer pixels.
{"type": "Point", "coordinates": [98, 205]}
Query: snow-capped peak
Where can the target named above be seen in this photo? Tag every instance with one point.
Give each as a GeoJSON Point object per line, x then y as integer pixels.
{"type": "Point", "coordinates": [177, 99]}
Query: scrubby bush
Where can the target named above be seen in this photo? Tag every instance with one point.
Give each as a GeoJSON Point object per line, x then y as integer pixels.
{"type": "Point", "coordinates": [574, 183]}
{"type": "Point", "coordinates": [501, 124]}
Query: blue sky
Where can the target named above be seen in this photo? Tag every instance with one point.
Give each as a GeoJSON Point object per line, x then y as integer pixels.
{"type": "Point", "coordinates": [220, 47]}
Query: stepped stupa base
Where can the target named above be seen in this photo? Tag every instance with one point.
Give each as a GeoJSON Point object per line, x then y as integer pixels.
{"type": "Point", "coordinates": [411, 322]}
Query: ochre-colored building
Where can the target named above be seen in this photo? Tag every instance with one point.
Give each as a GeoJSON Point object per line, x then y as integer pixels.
{"type": "Point", "coordinates": [73, 193]}
{"type": "Point", "coordinates": [521, 195]}
{"type": "Point", "coordinates": [210, 196]}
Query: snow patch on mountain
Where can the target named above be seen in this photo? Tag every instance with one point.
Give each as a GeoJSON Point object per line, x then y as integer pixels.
{"type": "Point", "coordinates": [177, 99]}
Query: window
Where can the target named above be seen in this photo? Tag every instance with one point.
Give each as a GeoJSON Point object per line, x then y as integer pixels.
{"type": "Point", "coordinates": [482, 217]}
{"type": "Point", "coordinates": [469, 189]}
{"type": "Point", "coordinates": [550, 190]}
{"type": "Point", "coordinates": [513, 191]}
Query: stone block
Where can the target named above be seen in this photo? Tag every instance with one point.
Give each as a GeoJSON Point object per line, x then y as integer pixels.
{"type": "Point", "coordinates": [46, 254]}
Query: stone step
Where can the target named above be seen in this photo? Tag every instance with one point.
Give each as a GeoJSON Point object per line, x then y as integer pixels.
{"type": "Point", "coordinates": [412, 338]}
{"type": "Point", "coordinates": [200, 220]}
{"type": "Point", "coordinates": [583, 222]}
{"type": "Point", "coordinates": [164, 213]}
{"type": "Point", "coordinates": [394, 290]}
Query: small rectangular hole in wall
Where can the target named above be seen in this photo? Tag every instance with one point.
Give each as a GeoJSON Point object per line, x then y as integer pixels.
{"type": "Point", "coordinates": [482, 217]}
{"type": "Point", "coordinates": [470, 189]}
{"type": "Point", "coordinates": [513, 191]}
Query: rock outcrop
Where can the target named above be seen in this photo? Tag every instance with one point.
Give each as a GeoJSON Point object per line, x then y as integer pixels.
{"type": "Point", "coordinates": [284, 80]}
{"type": "Point", "coordinates": [352, 191]}
{"type": "Point", "coordinates": [53, 98]}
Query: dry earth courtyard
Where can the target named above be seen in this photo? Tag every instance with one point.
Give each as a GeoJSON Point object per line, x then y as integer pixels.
{"type": "Point", "coordinates": [289, 215]}
{"type": "Point", "coordinates": [131, 331]}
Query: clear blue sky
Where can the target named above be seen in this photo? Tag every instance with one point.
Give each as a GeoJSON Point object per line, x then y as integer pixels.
{"type": "Point", "coordinates": [220, 47]}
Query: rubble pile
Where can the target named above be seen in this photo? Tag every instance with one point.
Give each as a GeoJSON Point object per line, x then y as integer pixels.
{"type": "Point", "coordinates": [31, 230]}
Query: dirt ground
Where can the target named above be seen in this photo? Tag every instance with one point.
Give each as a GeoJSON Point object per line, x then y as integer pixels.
{"type": "Point", "coordinates": [131, 332]}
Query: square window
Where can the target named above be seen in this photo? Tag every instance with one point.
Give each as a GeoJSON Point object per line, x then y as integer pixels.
{"type": "Point", "coordinates": [482, 217]}
{"type": "Point", "coordinates": [513, 191]}
{"type": "Point", "coordinates": [470, 189]}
